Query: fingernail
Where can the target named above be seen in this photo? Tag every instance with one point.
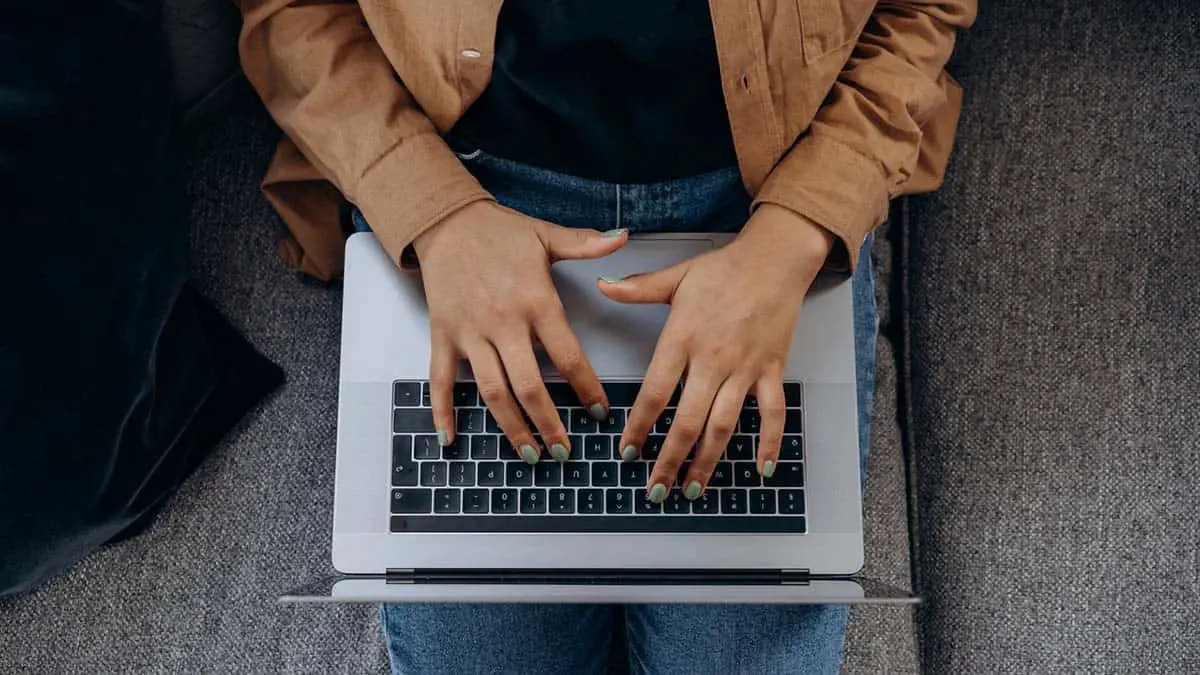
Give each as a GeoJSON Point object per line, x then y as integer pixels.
{"type": "Point", "coordinates": [608, 279]}
{"type": "Point", "coordinates": [613, 234]}
{"type": "Point", "coordinates": [658, 493]}
{"type": "Point", "coordinates": [629, 453]}
{"type": "Point", "coordinates": [559, 451]}
{"type": "Point", "coordinates": [529, 454]}
{"type": "Point", "coordinates": [693, 490]}
{"type": "Point", "coordinates": [768, 469]}
{"type": "Point", "coordinates": [443, 438]}
{"type": "Point", "coordinates": [597, 412]}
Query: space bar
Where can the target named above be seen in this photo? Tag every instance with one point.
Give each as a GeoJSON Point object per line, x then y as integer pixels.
{"type": "Point", "coordinates": [711, 524]}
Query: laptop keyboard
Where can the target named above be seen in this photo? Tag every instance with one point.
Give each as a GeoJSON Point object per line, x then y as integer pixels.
{"type": "Point", "coordinates": [480, 483]}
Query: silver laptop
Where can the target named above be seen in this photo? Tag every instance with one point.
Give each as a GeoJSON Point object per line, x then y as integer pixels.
{"type": "Point", "coordinates": [473, 523]}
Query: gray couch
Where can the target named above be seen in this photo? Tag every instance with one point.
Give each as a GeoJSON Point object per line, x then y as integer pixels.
{"type": "Point", "coordinates": [1035, 464]}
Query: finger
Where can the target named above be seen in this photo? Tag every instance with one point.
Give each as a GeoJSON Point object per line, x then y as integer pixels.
{"type": "Point", "coordinates": [649, 288]}
{"type": "Point", "coordinates": [722, 420]}
{"type": "Point", "coordinates": [492, 383]}
{"type": "Point", "coordinates": [572, 243]}
{"type": "Point", "coordinates": [562, 345]}
{"type": "Point", "coordinates": [694, 405]}
{"type": "Point", "coordinates": [769, 391]}
{"type": "Point", "coordinates": [662, 376]}
{"type": "Point", "coordinates": [525, 377]}
{"type": "Point", "coordinates": [443, 367]}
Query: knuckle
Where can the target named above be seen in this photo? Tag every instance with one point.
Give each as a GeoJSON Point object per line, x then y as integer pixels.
{"type": "Point", "coordinates": [527, 389]}
{"type": "Point", "coordinates": [718, 429]}
{"type": "Point", "coordinates": [491, 391]}
{"type": "Point", "coordinates": [571, 363]}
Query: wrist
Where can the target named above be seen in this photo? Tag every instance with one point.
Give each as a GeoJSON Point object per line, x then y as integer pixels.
{"type": "Point", "coordinates": [472, 212]}
{"type": "Point", "coordinates": [789, 235]}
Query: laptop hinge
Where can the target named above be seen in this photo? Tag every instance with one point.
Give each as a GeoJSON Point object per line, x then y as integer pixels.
{"type": "Point", "coordinates": [396, 575]}
{"type": "Point", "coordinates": [797, 576]}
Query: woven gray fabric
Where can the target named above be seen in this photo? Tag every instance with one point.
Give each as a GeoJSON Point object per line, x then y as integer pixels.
{"type": "Point", "coordinates": [1055, 362]}
{"type": "Point", "coordinates": [197, 592]}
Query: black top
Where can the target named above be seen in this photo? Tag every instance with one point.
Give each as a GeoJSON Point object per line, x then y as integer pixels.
{"type": "Point", "coordinates": [623, 91]}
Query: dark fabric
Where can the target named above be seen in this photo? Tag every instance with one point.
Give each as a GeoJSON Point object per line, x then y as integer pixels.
{"type": "Point", "coordinates": [113, 380]}
{"type": "Point", "coordinates": [1055, 313]}
{"type": "Point", "coordinates": [622, 91]}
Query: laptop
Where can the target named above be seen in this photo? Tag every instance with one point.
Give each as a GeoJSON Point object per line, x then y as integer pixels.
{"type": "Point", "coordinates": [472, 522]}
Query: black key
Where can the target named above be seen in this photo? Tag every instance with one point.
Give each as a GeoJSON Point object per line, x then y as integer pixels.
{"type": "Point", "coordinates": [733, 501]}
{"type": "Point", "coordinates": [614, 423]}
{"type": "Point", "coordinates": [475, 501]}
{"type": "Point", "coordinates": [490, 425]}
{"type": "Point", "coordinates": [547, 474]}
{"type": "Point", "coordinates": [564, 416]}
{"type": "Point", "coordinates": [425, 397]}
{"type": "Point", "coordinates": [707, 503]}
{"type": "Point", "coordinates": [722, 475]}
{"type": "Point", "coordinates": [491, 474]}
{"type": "Point", "coordinates": [665, 420]}
{"type": "Point", "coordinates": [604, 474]}
{"type": "Point", "coordinates": [762, 501]}
{"type": "Point", "coordinates": [652, 447]}
{"type": "Point", "coordinates": [518, 475]}
{"type": "Point", "coordinates": [412, 421]}
{"type": "Point", "coordinates": [406, 394]}
{"type": "Point", "coordinates": [462, 474]}
{"type": "Point", "coordinates": [676, 503]}
{"type": "Point", "coordinates": [792, 394]}
{"type": "Point", "coordinates": [562, 394]}
{"type": "Point", "coordinates": [618, 501]}
{"type": "Point", "coordinates": [459, 449]}
{"type": "Point", "coordinates": [433, 474]}
{"type": "Point", "coordinates": [622, 394]}
{"type": "Point", "coordinates": [749, 422]}
{"type": "Point", "coordinates": [470, 421]}
{"type": "Point", "coordinates": [751, 402]}
{"type": "Point", "coordinates": [642, 503]}
{"type": "Point", "coordinates": [404, 469]}
{"type": "Point", "coordinates": [576, 443]}
{"type": "Point", "coordinates": [426, 447]}
{"type": "Point", "coordinates": [787, 474]}
{"type": "Point", "coordinates": [485, 447]}
{"type": "Point", "coordinates": [791, 502]}
{"type": "Point", "coordinates": [465, 394]}
{"type": "Point", "coordinates": [582, 422]}
{"type": "Point", "coordinates": [745, 474]}
{"type": "Point", "coordinates": [533, 500]}
{"type": "Point", "coordinates": [504, 501]}
{"type": "Point", "coordinates": [597, 447]}
{"type": "Point", "coordinates": [681, 474]}
{"type": "Point", "coordinates": [575, 474]}
{"type": "Point", "coordinates": [633, 474]}
{"type": "Point", "coordinates": [792, 448]}
{"type": "Point", "coordinates": [562, 501]}
{"type": "Point", "coordinates": [507, 451]}
{"type": "Point", "coordinates": [412, 500]}
{"type": "Point", "coordinates": [446, 501]}
{"type": "Point", "coordinates": [597, 523]}
{"type": "Point", "coordinates": [591, 501]}
{"type": "Point", "coordinates": [675, 395]}
{"type": "Point", "coordinates": [740, 448]}
{"type": "Point", "coordinates": [794, 424]}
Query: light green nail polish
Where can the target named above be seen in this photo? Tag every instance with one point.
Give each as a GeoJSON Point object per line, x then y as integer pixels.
{"type": "Point", "coordinates": [597, 412]}
{"type": "Point", "coordinates": [559, 452]}
{"type": "Point", "coordinates": [693, 490]}
{"type": "Point", "coordinates": [629, 453]}
{"type": "Point", "coordinates": [658, 493]}
{"type": "Point", "coordinates": [768, 469]}
{"type": "Point", "coordinates": [443, 438]}
{"type": "Point", "coordinates": [529, 454]}
{"type": "Point", "coordinates": [614, 233]}
{"type": "Point", "coordinates": [609, 279]}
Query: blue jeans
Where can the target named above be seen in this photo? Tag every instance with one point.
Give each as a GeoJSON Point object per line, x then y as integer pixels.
{"type": "Point", "coordinates": [445, 638]}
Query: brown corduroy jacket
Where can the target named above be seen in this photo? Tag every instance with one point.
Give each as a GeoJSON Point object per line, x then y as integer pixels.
{"type": "Point", "coordinates": [836, 106]}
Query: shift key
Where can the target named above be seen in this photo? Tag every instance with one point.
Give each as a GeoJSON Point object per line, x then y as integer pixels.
{"type": "Point", "coordinates": [412, 500]}
{"type": "Point", "coordinates": [412, 421]}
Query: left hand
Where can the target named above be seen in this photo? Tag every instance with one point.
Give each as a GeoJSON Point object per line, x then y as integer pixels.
{"type": "Point", "coordinates": [733, 312]}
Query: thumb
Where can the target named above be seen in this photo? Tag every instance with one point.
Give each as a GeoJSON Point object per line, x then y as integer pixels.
{"type": "Point", "coordinates": [651, 287]}
{"type": "Point", "coordinates": [570, 243]}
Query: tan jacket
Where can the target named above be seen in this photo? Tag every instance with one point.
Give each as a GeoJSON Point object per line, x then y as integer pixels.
{"type": "Point", "coordinates": [835, 106]}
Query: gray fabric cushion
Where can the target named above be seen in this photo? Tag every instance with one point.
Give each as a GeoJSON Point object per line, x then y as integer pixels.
{"type": "Point", "coordinates": [1055, 361]}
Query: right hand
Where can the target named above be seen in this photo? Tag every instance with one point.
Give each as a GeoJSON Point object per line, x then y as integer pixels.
{"type": "Point", "coordinates": [486, 271]}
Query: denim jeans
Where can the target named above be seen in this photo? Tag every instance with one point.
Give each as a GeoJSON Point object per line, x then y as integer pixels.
{"type": "Point", "coordinates": [447, 638]}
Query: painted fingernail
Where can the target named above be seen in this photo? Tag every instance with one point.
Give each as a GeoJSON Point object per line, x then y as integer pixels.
{"type": "Point", "coordinates": [559, 452]}
{"type": "Point", "coordinates": [614, 233]}
{"type": "Point", "coordinates": [658, 493]}
{"type": "Point", "coordinates": [629, 453]}
{"type": "Point", "coordinates": [597, 412]}
{"type": "Point", "coordinates": [608, 279]}
{"type": "Point", "coordinates": [768, 469]}
{"type": "Point", "coordinates": [443, 438]}
{"type": "Point", "coordinates": [529, 454]}
{"type": "Point", "coordinates": [693, 490]}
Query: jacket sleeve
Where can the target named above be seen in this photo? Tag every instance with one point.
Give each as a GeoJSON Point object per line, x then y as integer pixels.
{"type": "Point", "coordinates": [332, 90]}
{"type": "Point", "coordinates": [865, 141]}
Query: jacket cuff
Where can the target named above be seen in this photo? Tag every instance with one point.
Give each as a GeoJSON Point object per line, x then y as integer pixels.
{"type": "Point", "coordinates": [411, 188]}
{"type": "Point", "coordinates": [836, 187]}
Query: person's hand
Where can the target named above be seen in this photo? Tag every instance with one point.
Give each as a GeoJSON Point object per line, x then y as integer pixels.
{"type": "Point", "coordinates": [733, 312]}
{"type": "Point", "coordinates": [486, 271]}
